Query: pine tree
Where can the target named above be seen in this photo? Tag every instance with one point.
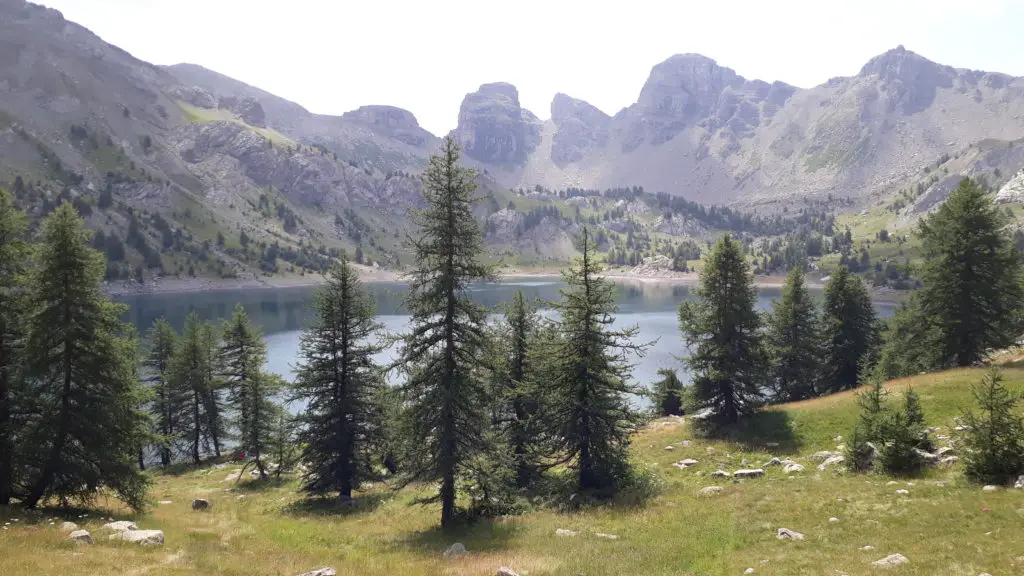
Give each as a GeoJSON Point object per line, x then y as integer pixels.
{"type": "Point", "coordinates": [588, 374]}
{"type": "Point", "coordinates": [994, 438]}
{"type": "Point", "coordinates": [518, 404]}
{"type": "Point", "coordinates": [13, 254]}
{"type": "Point", "coordinates": [156, 367]}
{"type": "Point", "coordinates": [241, 355]}
{"type": "Point", "coordinates": [722, 330]}
{"type": "Point", "coordinates": [191, 377]}
{"type": "Point", "coordinates": [339, 382]}
{"type": "Point", "coordinates": [793, 340]}
{"type": "Point", "coordinates": [668, 394]}
{"type": "Point", "coordinates": [81, 363]}
{"type": "Point", "coordinates": [441, 354]}
{"type": "Point", "coordinates": [216, 424]}
{"type": "Point", "coordinates": [973, 292]}
{"type": "Point", "coordinates": [850, 334]}
{"type": "Point", "coordinates": [905, 351]}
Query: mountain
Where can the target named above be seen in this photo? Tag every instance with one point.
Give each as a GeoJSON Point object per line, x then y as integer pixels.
{"type": "Point", "coordinates": [700, 130]}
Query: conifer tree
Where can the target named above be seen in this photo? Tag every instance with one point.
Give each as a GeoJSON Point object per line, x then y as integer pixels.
{"type": "Point", "coordinates": [156, 366]}
{"type": "Point", "coordinates": [973, 293]}
{"type": "Point", "coordinates": [339, 382]}
{"type": "Point", "coordinates": [850, 333]}
{"type": "Point", "coordinates": [722, 330]}
{"type": "Point", "coordinates": [216, 423]}
{"type": "Point", "coordinates": [794, 342]}
{"type": "Point", "coordinates": [81, 364]}
{"type": "Point", "coordinates": [191, 376]}
{"type": "Point", "coordinates": [906, 348]}
{"type": "Point", "coordinates": [668, 394]}
{"type": "Point", "coordinates": [241, 355]}
{"type": "Point", "coordinates": [442, 352]}
{"type": "Point", "coordinates": [518, 403]}
{"type": "Point", "coordinates": [13, 254]}
{"type": "Point", "coordinates": [994, 436]}
{"type": "Point", "coordinates": [588, 375]}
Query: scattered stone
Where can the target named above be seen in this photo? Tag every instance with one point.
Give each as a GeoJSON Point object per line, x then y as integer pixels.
{"type": "Point", "coordinates": [710, 450]}
{"type": "Point", "coordinates": [891, 483]}
{"type": "Point", "coordinates": [141, 537]}
{"type": "Point", "coordinates": [165, 502]}
{"type": "Point", "coordinates": [685, 463]}
{"type": "Point", "coordinates": [321, 572]}
{"type": "Point", "coordinates": [984, 574]}
{"type": "Point", "coordinates": [990, 488]}
{"type": "Point", "coordinates": [606, 536]}
{"type": "Point", "coordinates": [838, 438]}
{"type": "Point", "coordinates": [792, 467]}
{"type": "Point", "coordinates": [670, 447]}
{"type": "Point", "coordinates": [946, 451]}
{"type": "Point", "coordinates": [927, 457]}
{"type": "Point", "coordinates": [823, 455]}
{"type": "Point", "coordinates": [903, 491]}
{"type": "Point", "coordinates": [81, 536]}
{"type": "Point", "coordinates": [121, 526]}
{"type": "Point", "coordinates": [867, 548]}
{"type": "Point", "coordinates": [833, 519]}
{"type": "Point", "coordinates": [1019, 484]}
{"type": "Point", "coordinates": [831, 461]}
{"type": "Point", "coordinates": [686, 443]}
{"type": "Point", "coordinates": [787, 534]}
{"type": "Point", "coordinates": [949, 460]}
{"type": "Point", "coordinates": [200, 504]}
{"type": "Point", "coordinates": [751, 473]}
{"type": "Point", "coordinates": [506, 571]}
{"type": "Point", "coordinates": [891, 560]}
{"type": "Point", "coordinates": [709, 491]}
{"type": "Point", "coordinates": [748, 571]}
{"type": "Point", "coordinates": [564, 532]}
{"type": "Point", "coordinates": [68, 527]}
{"type": "Point", "coordinates": [240, 497]}
{"type": "Point", "coordinates": [720, 474]}
{"type": "Point", "coordinates": [772, 462]}
{"type": "Point", "coordinates": [456, 550]}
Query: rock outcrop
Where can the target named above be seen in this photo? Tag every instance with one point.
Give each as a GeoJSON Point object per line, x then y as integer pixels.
{"type": "Point", "coordinates": [1013, 191]}
{"type": "Point", "coordinates": [493, 128]}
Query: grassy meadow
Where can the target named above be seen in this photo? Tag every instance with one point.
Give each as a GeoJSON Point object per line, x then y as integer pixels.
{"type": "Point", "coordinates": [943, 525]}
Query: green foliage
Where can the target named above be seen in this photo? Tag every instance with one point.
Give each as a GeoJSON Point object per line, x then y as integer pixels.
{"type": "Point", "coordinates": [441, 354]}
{"type": "Point", "coordinates": [904, 352]}
{"type": "Point", "coordinates": [850, 331]}
{"type": "Point", "coordinates": [793, 340]}
{"type": "Point", "coordinates": [156, 372]}
{"type": "Point", "coordinates": [13, 253]}
{"type": "Point", "coordinates": [994, 437]}
{"type": "Point", "coordinates": [722, 329]}
{"type": "Point", "coordinates": [192, 369]}
{"type": "Point", "coordinates": [341, 386]}
{"type": "Point", "coordinates": [587, 377]}
{"type": "Point", "coordinates": [85, 429]}
{"type": "Point", "coordinates": [668, 394]}
{"type": "Point", "coordinates": [973, 294]}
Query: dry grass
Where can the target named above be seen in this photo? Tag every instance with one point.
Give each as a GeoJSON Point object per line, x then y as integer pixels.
{"type": "Point", "coordinates": [944, 526]}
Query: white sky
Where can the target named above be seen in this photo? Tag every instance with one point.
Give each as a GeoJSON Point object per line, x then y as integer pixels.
{"type": "Point", "coordinates": [425, 55]}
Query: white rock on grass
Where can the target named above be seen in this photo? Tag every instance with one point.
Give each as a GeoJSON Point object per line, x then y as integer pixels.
{"type": "Point", "coordinates": [141, 537]}
{"type": "Point", "coordinates": [720, 474]}
{"type": "Point", "coordinates": [833, 519]}
{"type": "Point", "coordinates": [81, 536]}
{"type": "Point", "coordinates": [891, 560]}
{"type": "Point", "coordinates": [670, 447]}
{"type": "Point", "coordinates": [564, 532]}
{"type": "Point", "coordinates": [787, 534]}
{"type": "Point", "coordinates": [903, 492]}
{"type": "Point", "coordinates": [748, 571]}
{"type": "Point", "coordinates": [792, 467]}
{"type": "Point", "coordinates": [990, 488]}
{"type": "Point", "coordinates": [455, 550]}
{"type": "Point", "coordinates": [949, 460]}
{"type": "Point", "coordinates": [823, 455]}
{"type": "Point", "coordinates": [506, 571]}
{"type": "Point", "coordinates": [68, 527]}
{"type": "Point", "coordinates": [606, 536]}
{"type": "Point", "coordinates": [867, 548]}
{"type": "Point", "coordinates": [121, 526]}
{"type": "Point", "coordinates": [321, 572]}
{"type": "Point", "coordinates": [772, 462]}
{"type": "Point", "coordinates": [1019, 484]}
{"type": "Point", "coordinates": [831, 461]}
{"type": "Point", "coordinates": [709, 491]}
{"type": "Point", "coordinates": [750, 473]}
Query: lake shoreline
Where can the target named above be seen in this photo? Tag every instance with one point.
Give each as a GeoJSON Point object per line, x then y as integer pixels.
{"type": "Point", "coordinates": [178, 285]}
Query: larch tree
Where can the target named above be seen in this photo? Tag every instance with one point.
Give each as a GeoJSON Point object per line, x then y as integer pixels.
{"type": "Point", "coordinates": [973, 282]}
{"type": "Point", "coordinates": [850, 333]}
{"type": "Point", "coordinates": [442, 353]}
{"type": "Point", "coordinates": [156, 372]}
{"type": "Point", "coordinates": [668, 394]}
{"type": "Point", "coordinates": [191, 378]}
{"type": "Point", "coordinates": [588, 372]}
{"type": "Point", "coordinates": [81, 364]}
{"type": "Point", "coordinates": [13, 255]}
{"type": "Point", "coordinates": [723, 332]}
{"type": "Point", "coordinates": [793, 340]}
{"type": "Point", "coordinates": [518, 404]}
{"type": "Point", "coordinates": [340, 384]}
{"type": "Point", "coordinates": [241, 355]}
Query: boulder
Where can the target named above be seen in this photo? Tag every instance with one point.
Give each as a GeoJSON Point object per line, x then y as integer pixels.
{"type": "Point", "coordinates": [949, 460]}
{"type": "Point", "coordinates": [506, 571]}
{"type": "Point", "coordinates": [455, 550]}
{"type": "Point", "coordinates": [833, 519]}
{"type": "Point", "coordinates": [749, 473]}
{"type": "Point", "coordinates": [990, 488]}
{"type": "Point", "coordinates": [832, 461]}
{"type": "Point", "coordinates": [81, 536]}
{"type": "Point", "coordinates": [867, 548]}
{"type": "Point", "coordinates": [787, 534]}
{"type": "Point", "coordinates": [772, 462]}
{"type": "Point", "coordinates": [321, 572]}
{"type": "Point", "coordinates": [709, 491]}
{"type": "Point", "coordinates": [720, 474]}
{"type": "Point", "coordinates": [748, 571]}
{"type": "Point", "coordinates": [68, 527]}
{"type": "Point", "coordinates": [792, 467]}
{"type": "Point", "coordinates": [670, 447]}
{"type": "Point", "coordinates": [891, 560]}
{"type": "Point", "coordinates": [927, 457]}
{"type": "Point", "coordinates": [606, 536]}
{"type": "Point", "coordinates": [200, 504]}
{"type": "Point", "coordinates": [564, 532]}
{"type": "Point", "coordinates": [1019, 484]}
{"type": "Point", "coordinates": [903, 492]}
{"type": "Point", "coordinates": [121, 526]}
{"type": "Point", "coordinates": [141, 537]}
{"type": "Point", "coordinates": [823, 455]}
{"type": "Point", "coordinates": [685, 463]}
{"type": "Point", "coordinates": [945, 451]}
{"type": "Point", "coordinates": [165, 502]}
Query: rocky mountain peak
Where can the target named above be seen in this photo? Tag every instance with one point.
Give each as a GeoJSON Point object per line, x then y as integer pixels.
{"type": "Point", "coordinates": [581, 127]}
{"type": "Point", "coordinates": [494, 128]}
{"type": "Point", "coordinates": [392, 121]}
{"type": "Point", "coordinates": [913, 79]}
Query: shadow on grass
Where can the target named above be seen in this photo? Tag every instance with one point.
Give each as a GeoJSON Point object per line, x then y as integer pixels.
{"type": "Point", "coordinates": [257, 485]}
{"type": "Point", "coordinates": [767, 431]}
{"type": "Point", "coordinates": [332, 506]}
{"type": "Point", "coordinates": [180, 468]}
{"type": "Point", "coordinates": [480, 535]}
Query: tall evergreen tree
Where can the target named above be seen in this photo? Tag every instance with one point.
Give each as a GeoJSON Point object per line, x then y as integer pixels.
{"type": "Point", "coordinates": [668, 394]}
{"type": "Point", "coordinates": [518, 403]}
{"type": "Point", "coordinates": [794, 341]}
{"type": "Point", "coordinates": [442, 352]}
{"type": "Point", "coordinates": [81, 363]}
{"type": "Point", "coordinates": [906, 337]}
{"type": "Point", "coordinates": [850, 331]}
{"type": "Point", "coordinates": [973, 293]}
{"type": "Point", "coordinates": [722, 329]}
{"type": "Point", "coordinates": [994, 437]}
{"type": "Point", "coordinates": [588, 379]}
{"type": "Point", "coordinates": [13, 254]}
{"type": "Point", "coordinates": [340, 384]}
{"type": "Point", "coordinates": [241, 355]}
{"type": "Point", "coordinates": [156, 367]}
{"type": "Point", "coordinates": [191, 377]}
{"type": "Point", "coordinates": [216, 423]}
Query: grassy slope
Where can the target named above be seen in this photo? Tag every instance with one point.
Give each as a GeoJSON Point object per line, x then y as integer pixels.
{"type": "Point", "coordinates": [953, 529]}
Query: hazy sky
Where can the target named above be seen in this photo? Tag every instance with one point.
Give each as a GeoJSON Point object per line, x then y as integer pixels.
{"type": "Point", "coordinates": [425, 55]}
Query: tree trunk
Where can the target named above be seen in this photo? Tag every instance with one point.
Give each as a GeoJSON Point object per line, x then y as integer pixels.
{"type": "Point", "coordinates": [6, 445]}
{"type": "Point", "coordinates": [198, 425]}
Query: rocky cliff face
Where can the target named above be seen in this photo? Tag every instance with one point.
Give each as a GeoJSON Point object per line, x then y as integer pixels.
{"type": "Point", "coordinates": [494, 129]}
{"type": "Point", "coordinates": [580, 128]}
